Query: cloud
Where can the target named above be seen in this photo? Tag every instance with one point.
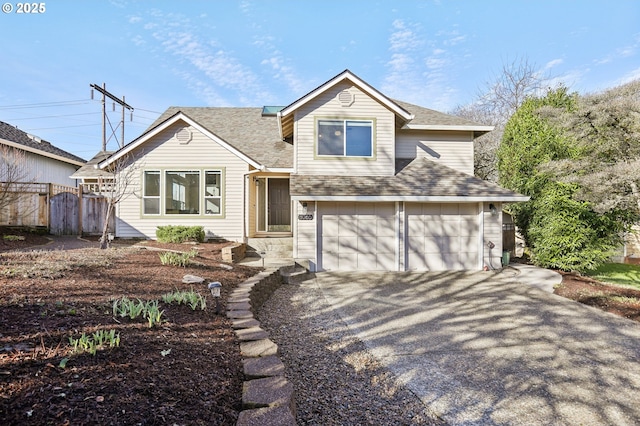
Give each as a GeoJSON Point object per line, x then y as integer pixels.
{"type": "Point", "coordinates": [212, 72]}
{"type": "Point", "coordinates": [419, 67]}
{"type": "Point", "coordinates": [630, 76]}
{"type": "Point", "coordinates": [551, 64]}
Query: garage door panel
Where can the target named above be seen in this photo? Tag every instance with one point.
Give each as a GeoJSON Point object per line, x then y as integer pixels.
{"type": "Point", "coordinates": [386, 228]}
{"type": "Point", "coordinates": [347, 261]}
{"type": "Point", "coordinates": [387, 262]}
{"type": "Point", "coordinates": [330, 244]}
{"type": "Point", "coordinates": [367, 261]}
{"type": "Point", "coordinates": [432, 226]}
{"type": "Point", "coordinates": [432, 245]}
{"type": "Point", "coordinates": [347, 245]}
{"type": "Point", "coordinates": [347, 228]}
{"type": "Point", "coordinates": [367, 244]}
{"type": "Point", "coordinates": [415, 225]}
{"type": "Point", "coordinates": [330, 227]}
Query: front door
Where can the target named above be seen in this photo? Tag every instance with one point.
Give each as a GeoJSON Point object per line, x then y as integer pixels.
{"type": "Point", "coordinates": [274, 205]}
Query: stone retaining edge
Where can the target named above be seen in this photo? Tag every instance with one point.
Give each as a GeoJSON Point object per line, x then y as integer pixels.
{"type": "Point", "coordinates": [267, 396]}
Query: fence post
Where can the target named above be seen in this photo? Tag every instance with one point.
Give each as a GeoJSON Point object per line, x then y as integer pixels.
{"type": "Point", "coordinates": [80, 207]}
{"type": "Point", "coordinates": [49, 198]}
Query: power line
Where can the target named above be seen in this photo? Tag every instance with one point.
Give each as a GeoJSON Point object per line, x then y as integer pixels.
{"type": "Point", "coordinates": [47, 104]}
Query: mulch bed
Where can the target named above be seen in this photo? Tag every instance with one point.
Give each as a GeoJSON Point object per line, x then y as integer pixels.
{"type": "Point", "coordinates": [621, 301]}
{"type": "Point", "coordinates": [187, 370]}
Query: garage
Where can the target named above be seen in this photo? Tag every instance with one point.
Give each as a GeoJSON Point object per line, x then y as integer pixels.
{"type": "Point", "coordinates": [357, 236]}
{"type": "Point", "coordinates": [442, 236]}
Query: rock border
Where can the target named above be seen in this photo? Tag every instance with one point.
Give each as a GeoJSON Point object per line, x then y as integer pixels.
{"type": "Point", "coordinates": [267, 396]}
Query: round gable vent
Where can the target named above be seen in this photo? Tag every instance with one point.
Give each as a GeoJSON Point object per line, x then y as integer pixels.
{"type": "Point", "coordinates": [183, 135]}
{"type": "Point", "coordinates": [346, 98]}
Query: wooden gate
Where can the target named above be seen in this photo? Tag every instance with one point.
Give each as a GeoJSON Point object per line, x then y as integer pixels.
{"type": "Point", "coordinates": [64, 214]}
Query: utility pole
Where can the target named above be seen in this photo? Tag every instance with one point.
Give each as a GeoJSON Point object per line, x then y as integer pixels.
{"type": "Point", "coordinates": [122, 103]}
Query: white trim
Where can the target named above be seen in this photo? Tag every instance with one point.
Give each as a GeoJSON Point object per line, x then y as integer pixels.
{"type": "Point", "coordinates": [41, 152]}
{"type": "Point", "coordinates": [478, 128]}
{"type": "Point", "coordinates": [481, 236]}
{"type": "Point", "coordinates": [163, 126]}
{"type": "Point", "coordinates": [398, 233]}
{"type": "Point", "coordinates": [411, 198]}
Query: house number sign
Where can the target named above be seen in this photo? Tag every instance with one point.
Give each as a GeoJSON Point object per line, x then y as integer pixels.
{"type": "Point", "coordinates": [305, 217]}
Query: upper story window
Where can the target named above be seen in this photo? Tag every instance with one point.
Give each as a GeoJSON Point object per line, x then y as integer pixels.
{"type": "Point", "coordinates": [346, 138]}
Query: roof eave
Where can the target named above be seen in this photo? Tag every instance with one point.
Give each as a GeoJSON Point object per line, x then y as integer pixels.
{"type": "Point", "coordinates": [348, 75]}
{"type": "Point", "coordinates": [179, 116]}
{"type": "Point", "coordinates": [42, 153]}
{"type": "Point", "coordinates": [414, 198]}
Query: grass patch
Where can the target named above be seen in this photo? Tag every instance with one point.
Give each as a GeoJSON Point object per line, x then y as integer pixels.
{"type": "Point", "coordinates": [619, 274]}
{"type": "Point", "coordinates": [13, 237]}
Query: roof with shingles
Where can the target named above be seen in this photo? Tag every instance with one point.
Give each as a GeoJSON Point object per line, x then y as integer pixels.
{"type": "Point", "coordinates": [414, 178]}
{"type": "Point", "coordinates": [430, 117]}
{"type": "Point", "coordinates": [90, 170]}
{"type": "Point", "coordinates": [13, 134]}
{"type": "Point", "coordinates": [245, 129]}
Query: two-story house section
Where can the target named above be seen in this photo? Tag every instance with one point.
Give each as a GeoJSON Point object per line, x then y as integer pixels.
{"type": "Point", "coordinates": [352, 179]}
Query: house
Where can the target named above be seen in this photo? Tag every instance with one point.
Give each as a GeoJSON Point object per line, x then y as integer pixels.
{"type": "Point", "coordinates": [353, 179]}
{"type": "Point", "coordinates": [43, 161]}
{"type": "Point", "coordinates": [32, 173]}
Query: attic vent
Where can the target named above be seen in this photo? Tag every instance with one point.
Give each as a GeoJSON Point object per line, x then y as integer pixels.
{"type": "Point", "coordinates": [184, 135]}
{"type": "Point", "coordinates": [34, 138]}
{"type": "Point", "coordinates": [346, 98]}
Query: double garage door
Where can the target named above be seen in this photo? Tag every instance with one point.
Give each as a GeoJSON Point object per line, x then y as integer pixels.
{"type": "Point", "coordinates": [364, 236]}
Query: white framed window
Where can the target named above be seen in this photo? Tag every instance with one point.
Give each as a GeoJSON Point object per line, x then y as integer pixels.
{"type": "Point", "coordinates": [345, 138]}
{"type": "Point", "coordinates": [213, 192]}
{"type": "Point", "coordinates": [182, 192]}
{"type": "Point", "coordinates": [151, 192]}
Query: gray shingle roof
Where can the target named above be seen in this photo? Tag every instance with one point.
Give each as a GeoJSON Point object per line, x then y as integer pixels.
{"type": "Point", "coordinates": [426, 116]}
{"type": "Point", "coordinates": [13, 134]}
{"type": "Point", "coordinates": [90, 170]}
{"type": "Point", "coordinates": [414, 178]}
{"type": "Point", "coordinates": [245, 129]}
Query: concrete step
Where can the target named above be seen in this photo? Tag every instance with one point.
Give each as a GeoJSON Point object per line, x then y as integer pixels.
{"type": "Point", "coordinates": [270, 247]}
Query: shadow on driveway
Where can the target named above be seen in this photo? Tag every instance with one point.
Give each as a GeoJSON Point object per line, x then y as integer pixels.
{"type": "Point", "coordinates": [483, 348]}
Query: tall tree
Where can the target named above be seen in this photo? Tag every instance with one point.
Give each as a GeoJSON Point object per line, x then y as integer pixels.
{"type": "Point", "coordinates": [546, 154]}
{"type": "Point", "coordinates": [495, 104]}
{"type": "Point", "coordinates": [605, 130]}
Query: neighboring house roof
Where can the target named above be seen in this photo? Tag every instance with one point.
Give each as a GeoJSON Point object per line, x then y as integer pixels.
{"type": "Point", "coordinates": [415, 180]}
{"type": "Point", "coordinates": [242, 129]}
{"type": "Point", "coordinates": [90, 170]}
{"type": "Point", "coordinates": [14, 137]}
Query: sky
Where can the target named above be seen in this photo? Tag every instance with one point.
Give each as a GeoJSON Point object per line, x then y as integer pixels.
{"type": "Point", "coordinates": [435, 53]}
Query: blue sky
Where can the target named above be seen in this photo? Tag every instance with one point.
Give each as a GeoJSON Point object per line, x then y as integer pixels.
{"type": "Point", "coordinates": [434, 53]}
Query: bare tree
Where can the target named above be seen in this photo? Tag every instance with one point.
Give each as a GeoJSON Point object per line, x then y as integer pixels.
{"type": "Point", "coordinates": [123, 172]}
{"type": "Point", "coordinates": [15, 179]}
{"type": "Point", "coordinates": [495, 104]}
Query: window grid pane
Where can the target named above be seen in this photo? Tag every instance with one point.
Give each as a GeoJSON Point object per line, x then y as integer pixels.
{"type": "Point", "coordinates": [213, 193]}
{"type": "Point", "coordinates": [151, 192]}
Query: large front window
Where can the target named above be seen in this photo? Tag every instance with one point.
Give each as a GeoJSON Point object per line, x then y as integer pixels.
{"type": "Point", "coordinates": [182, 192]}
{"type": "Point", "coordinates": [186, 192]}
{"type": "Point", "coordinates": [346, 138]}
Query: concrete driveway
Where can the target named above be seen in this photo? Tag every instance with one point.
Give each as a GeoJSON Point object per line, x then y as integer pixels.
{"type": "Point", "coordinates": [484, 348]}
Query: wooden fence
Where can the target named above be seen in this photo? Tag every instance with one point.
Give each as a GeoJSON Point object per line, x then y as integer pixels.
{"type": "Point", "coordinates": [63, 210]}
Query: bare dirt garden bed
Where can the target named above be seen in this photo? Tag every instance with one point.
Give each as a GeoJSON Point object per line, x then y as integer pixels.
{"type": "Point", "coordinates": [186, 370]}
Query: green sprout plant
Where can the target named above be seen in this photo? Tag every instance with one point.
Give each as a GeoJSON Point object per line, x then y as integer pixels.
{"type": "Point", "coordinates": [192, 298]}
{"type": "Point", "coordinates": [99, 340]}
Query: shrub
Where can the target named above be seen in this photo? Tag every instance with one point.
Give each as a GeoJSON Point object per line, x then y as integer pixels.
{"type": "Point", "coordinates": [179, 234]}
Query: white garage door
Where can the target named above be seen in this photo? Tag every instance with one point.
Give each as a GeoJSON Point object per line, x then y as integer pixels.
{"type": "Point", "coordinates": [357, 236]}
{"type": "Point", "coordinates": [442, 237]}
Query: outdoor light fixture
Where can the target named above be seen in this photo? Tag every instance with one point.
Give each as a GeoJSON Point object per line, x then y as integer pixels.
{"type": "Point", "coordinates": [215, 287]}
{"type": "Point", "coordinates": [493, 209]}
